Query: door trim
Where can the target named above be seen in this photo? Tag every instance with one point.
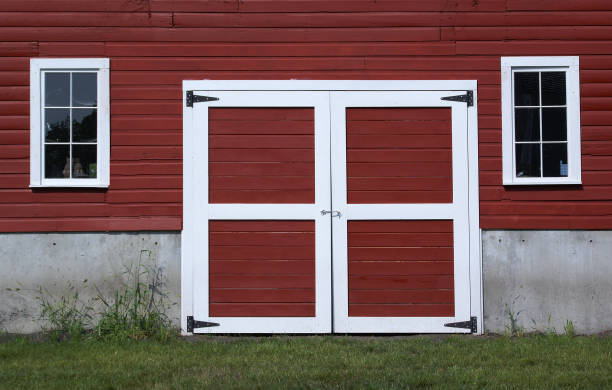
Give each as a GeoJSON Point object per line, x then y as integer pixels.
{"type": "Point", "coordinates": [189, 242]}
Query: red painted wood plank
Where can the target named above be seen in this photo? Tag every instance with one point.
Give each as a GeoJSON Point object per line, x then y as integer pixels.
{"type": "Point", "coordinates": [85, 19]}
{"type": "Point", "coordinates": [53, 210]}
{"type": "Point", "coordinates": [25, 49]}
{"type": "Point", "coordinates": [146, 210]}
{"type": "Point", "coordinates": [261, 169]}
{"type": "Point", "coordinates": [399, 239]}
{"type": "Point", "coordinates": [144, 196]}
{"type": "Point", "coordinates": [262, 281]}
{"type": "Point", "coordinates": [400, 254]}
{"type": "Point", "coordinates": [426, 196]}
{"type": "Point", "coordinates": [398, 114]}
{"type": "Point", "coordinates": [262, 310]}
{"type": "Point", "coordinates": [400, 296]}
{"type": "Point", "coordinates": [401, 310]}
{"type": "Point", "coordinates": [89, 224]}
{"type": "Point", "coordinates": [577, 222]}
{"type": "Point", "coordinates": [404, 169]}
{"type": "Point", "coordinates": [261, 155]}
{"type": "Point", "coordinates": [401, 226]}
{"type": "Point", "coordinates": [406, 126]}
{"type": "Point", "coordinates": [148, 122]}
{"type": "Point", "coordinates": [319, 49]}
{"type": "Point", "coordinates": [249, 114]}
{"type": "Point", "coordinates": [395, 268]}
{"type": "Point", "coordinates": [190, 34]}
{"type": "Point", "coordinates": [262, 238]}
{"type": "Point", "coordinates": [261, 141]}
{"type": "Point", "coordinates": [261, 196]}
{"type": "Point", "coordinates": [261, 226]}
{"type": "Point", "coordinates": [262, 267]}
{"type": "Point", "coordinates": [237, 295]}
{"type": "Point", "coordinates": [265, 183]}
{"type": "Point", "coordinates": [308, 19]}
{"type": "Point", "coordinates": [14, 93]}
{"type": "Point", "coordinates": [146, 182]}
{"type": "Point", "coordinates": [127, 153]}
{"type": "Point", "coordinates": [245, 252]}
{"type": "Point", "coordinates": [402, 155]}
{"type": "Point", "coordinates": [552, 5]}
{"type": "Point", "coordinates": [260, 127]}
{"type": "Point", "coordinates": [383, 141]}
{"type": "Point", "coordinates": [400, 184]}
{"type": "Point", "coordinates": [73, 6]}
{"type": "Point", "coordinates": [400, 282]}
{"type": "Point", "coordinates": [82, 49]}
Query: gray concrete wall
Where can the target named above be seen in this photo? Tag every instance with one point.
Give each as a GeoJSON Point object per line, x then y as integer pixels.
{"type": "Point", "coordinates": [56, 261]}
{"type": "Point", "coordinates": [546, 278]}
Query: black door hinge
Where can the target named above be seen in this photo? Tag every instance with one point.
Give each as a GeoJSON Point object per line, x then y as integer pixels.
{"type": "Point", "coordinates": [192, 324]}
{"type": "Point", "coordinates": [191, 98]}
{"type": "Point", "coordinates": [467, 98]}
{"type": "Point", "coordinates": [472, 325]}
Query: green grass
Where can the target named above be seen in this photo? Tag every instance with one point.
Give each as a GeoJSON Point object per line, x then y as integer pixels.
{"type": "Point", "coordinates": [311, 362]}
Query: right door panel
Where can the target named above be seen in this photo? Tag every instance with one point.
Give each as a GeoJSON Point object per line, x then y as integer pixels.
{"type": "Point", "coordinates": [400, 183]}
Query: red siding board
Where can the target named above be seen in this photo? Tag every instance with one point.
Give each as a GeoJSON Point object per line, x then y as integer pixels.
{"type": "Point", "coordinates": [155, 45]}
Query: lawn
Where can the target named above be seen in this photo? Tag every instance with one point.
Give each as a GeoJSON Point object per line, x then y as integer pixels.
{"type": "Point", "coordinates": [311, 362]}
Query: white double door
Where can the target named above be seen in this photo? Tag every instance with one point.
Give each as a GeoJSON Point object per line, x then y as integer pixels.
{"type": "Point", "coordinates": [332, 214]}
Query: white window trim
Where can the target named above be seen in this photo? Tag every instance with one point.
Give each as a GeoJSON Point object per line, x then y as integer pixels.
{"type": "Point", "coordinates": [571, 64]}
{"type": "Point", "coordinates": [39, 65]}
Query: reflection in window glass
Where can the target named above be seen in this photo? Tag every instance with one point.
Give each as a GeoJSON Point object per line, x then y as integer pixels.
{"type": "Point", "coordinates": [57, 161]}
{"type": "Point", "coordinates": [553, 88]}
{"type": "Point", "coordinates": [527, 124]}
{"type": "Point", "coordinates": [84, 89]}
{"type": "Point", "coordinates": [84, 124]}
{"type": "Point", "coordinates": [555, 159]}
{"type": "Point", "coordinates": [84, 161]}
{"type": "Point", "coordinates": [57, 89]}
{"type": "Point", "coordinates": [57, 125]}
{"type": "Point", "coordinates": [528, 160]}
{"type": "Point", "coordinates": [554, 124]}
{"type": "Point", "coordinates": [526, 89]}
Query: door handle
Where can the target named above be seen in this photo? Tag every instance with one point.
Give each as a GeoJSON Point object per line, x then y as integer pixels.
{"type": "Point", "coordinates": [334, 213]}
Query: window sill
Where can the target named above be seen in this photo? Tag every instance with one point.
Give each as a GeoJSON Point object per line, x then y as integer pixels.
{"type": "Point", "coordinates": [539, 182]}
{"type": "Point", "coordinates": [70, 185]}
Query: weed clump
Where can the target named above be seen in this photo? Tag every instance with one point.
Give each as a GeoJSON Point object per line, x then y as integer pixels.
{"type": "Point", "coordinates": [135, 311]}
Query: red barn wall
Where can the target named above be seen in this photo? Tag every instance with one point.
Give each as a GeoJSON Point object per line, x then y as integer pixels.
{"type": "Point", "coordinates": [155, 44]}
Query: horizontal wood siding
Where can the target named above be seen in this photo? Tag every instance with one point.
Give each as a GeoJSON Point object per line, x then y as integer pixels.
{"type": "Point", "coordinates": [399, 155]}
{"type": "Point", "coordinates": [262, 268]}
{"type": "Point", "coordinates": [154, 45]}
{"type": "Point", "coordinates": [400, 268]}
{"type": "Point", "coordinates": [261, 155]}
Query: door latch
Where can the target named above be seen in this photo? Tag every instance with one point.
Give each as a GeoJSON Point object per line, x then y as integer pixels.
{"type": "Point", "coordinates": [334, 213]}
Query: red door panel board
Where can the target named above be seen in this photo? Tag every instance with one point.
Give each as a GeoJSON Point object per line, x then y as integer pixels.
{"type": "Point", "coordinates": [261, 268]}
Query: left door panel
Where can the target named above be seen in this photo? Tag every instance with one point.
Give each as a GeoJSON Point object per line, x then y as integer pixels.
{"type": "Point", "coordinates": [260, 177]}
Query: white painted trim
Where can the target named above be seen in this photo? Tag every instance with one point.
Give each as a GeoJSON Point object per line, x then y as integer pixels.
{"type": "Point", "coordinates": [329, 85]}
{"type": "Point", "coordinates": [457, 211]}
{"type": "Point", "coordinates": [571, 66]}
{"type": "Point", "coordinates": [101, 67]}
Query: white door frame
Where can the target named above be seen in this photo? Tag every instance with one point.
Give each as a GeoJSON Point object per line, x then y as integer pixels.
{"type": "Point", "coordinates": [190, 243]}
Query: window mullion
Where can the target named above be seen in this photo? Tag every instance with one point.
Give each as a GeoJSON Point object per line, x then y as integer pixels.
{"type": "Point", "coordinates": [541, 139]}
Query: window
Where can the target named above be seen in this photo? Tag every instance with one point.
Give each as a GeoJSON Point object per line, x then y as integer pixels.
{"type": "Point", "coordinates": [540, 120]}
{"type": "Point", "coordinates": [69, 122]}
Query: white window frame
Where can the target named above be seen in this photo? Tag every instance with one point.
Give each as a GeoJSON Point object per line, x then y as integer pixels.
{"type": "Point", "coordinates": [571, 66]}
{"type": "Point", "coordinates": [37, 68]}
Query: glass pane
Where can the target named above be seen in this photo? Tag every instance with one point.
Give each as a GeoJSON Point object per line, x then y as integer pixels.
{"type": "Point", "coordinates": [526, 87]}
{"type": "Point", "coordinates": [57, 161]}
{"type": "Point", "coordinates": [84, 124]}
{"type": "Point", "coordinates": [57, 89]}
{"type": "Point", "coordinates": [554, 124]}
{"type": "Point", "coordinates": [527, 124]}
{"type": "Point", "coordinates": [84, 89]}
{"type": "Point", "coordinates": [57, 125]}
{"type": "Point", "coordinates": [555, 160]}
{"type": "Point", "coordinates": [84, 161]}
{"type": "Point", "coordinates": [528, 160]}
{"type": "Point", "coordinates": [553, 88]}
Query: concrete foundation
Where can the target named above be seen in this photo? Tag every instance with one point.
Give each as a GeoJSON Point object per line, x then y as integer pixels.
{"type": "Point", "coordinates": [543, 279]}
{"type": "Point", "coordinates": [64, 263]}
